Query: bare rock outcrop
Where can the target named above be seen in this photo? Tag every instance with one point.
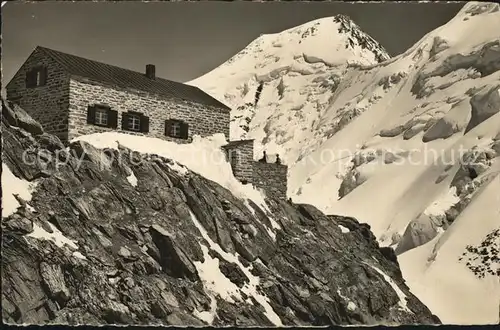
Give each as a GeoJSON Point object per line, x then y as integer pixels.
{"type": "Point", "coordinates": [484, 61]}
{"type": "Point", "coordinates": [418, 232]}
{"type": "Point", "coordinates": [484, 105]}
{"type": "Point", "coordinates": [453, 122]}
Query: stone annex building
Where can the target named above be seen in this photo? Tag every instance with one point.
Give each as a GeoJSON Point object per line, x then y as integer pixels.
{"type": "Point", "coordinates": [72, 96]}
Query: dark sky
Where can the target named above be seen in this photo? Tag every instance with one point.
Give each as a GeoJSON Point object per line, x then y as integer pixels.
{"type": "Point", "coordinates": [186, 40]}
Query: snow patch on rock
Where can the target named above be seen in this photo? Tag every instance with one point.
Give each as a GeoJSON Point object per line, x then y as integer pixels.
{"type": "Point", "coordinates": [12, 185]}
{"type": "Point", "coordinates": [402, 297]}
{"type": "Point", "coordinates": [217, 283]}
{"type": "Point", "coordinates": [132, 179]}
{"type": "Point", "coordinates": [57, 237]}
{"type": "Point", "coordinates": [344, 229]}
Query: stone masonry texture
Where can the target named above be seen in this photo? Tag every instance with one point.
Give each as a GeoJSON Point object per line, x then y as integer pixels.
{"type": "Point", "coordinates": [240, 156]}
{"type": "Point", "coordinates": [270, 177]}
{"type": "Point", "coordinates": [202, 120]}
{"type": "Point", "coordinates": [46, 104]}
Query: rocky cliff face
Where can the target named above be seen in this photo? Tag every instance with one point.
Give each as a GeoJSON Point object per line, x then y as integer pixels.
{"type": "Point", "coordinates": [175, 248]}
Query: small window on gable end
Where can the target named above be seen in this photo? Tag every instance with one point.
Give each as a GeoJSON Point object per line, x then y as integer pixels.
{"type": "Point", "coordinates": [30, 79]}
{"type": "Point", "coordinates": [38, 78]}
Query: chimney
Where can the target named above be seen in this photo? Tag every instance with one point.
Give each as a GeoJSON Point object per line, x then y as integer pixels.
{"type": "Point", "coordinates": [150, 71]}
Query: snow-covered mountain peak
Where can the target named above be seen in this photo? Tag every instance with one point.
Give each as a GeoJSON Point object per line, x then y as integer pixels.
{"type": "Point", "coordinates": [296, 72]}
{"type": "Point", "coordinates": [316, 46]}
{"type": "Point", "coordinates": [358, 37]}
{"type": "Point", "coordinates": [476, 8]}
{"type": "Point", "coordinates": [339, 32]}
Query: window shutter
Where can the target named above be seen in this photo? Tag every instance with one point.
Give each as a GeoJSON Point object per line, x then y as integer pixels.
{"type": "Point", "coordinates": [125, 121]}
{"type": "Point", "coordinates": [43, 76]}
{"type": "Point", "coordinates": [91, 114]}
{"type": "Point", "coordinates": [144, 122]}
{"type": "Point", "coordinates": [184, 130]}
{"type": "Point", "coordinates": [30, 78]}
{"type": "Point", "coordinates": [168, 127]}
{"type": "Point", "coordinates": [112, 118]}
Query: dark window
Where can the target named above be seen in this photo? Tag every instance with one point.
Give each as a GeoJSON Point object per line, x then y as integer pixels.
{"type": "Point", "coordinates": [135, 121]}
{"type": "Point", "coordinates": [36, 77]}
{"type": "Point", "coordinates": [176, 129]}
{"type": "Point", "coordinates": [101, 115]}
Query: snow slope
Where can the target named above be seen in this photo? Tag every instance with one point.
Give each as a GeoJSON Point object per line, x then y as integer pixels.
{"type": "Point", "coordinates": [445, 284]}
{"type": "Point", "coordinates": [396, 123]}
{"type": "Point", "coordinates": [406, 145]}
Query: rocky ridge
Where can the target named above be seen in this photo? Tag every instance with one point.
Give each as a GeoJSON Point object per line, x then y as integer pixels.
{"type": "Point", "coordinates": [92, 248]}
{"type": "Point", "coordinates": [358, 37]}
